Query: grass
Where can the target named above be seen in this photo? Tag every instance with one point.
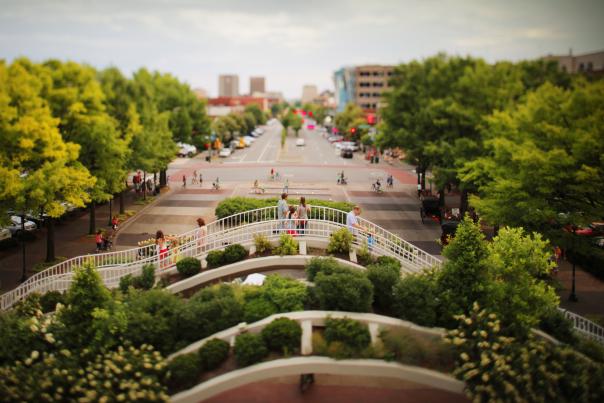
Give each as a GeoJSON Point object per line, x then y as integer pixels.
{"type": "Point", "coordinates": [38, 267]}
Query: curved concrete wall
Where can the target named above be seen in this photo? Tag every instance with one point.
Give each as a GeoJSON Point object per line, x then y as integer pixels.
{"type": "Point", "coordinates": [318, 365]}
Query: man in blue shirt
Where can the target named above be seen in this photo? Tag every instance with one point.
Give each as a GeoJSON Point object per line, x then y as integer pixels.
{"type": "Point", "coordinates": [282, 209]}
{"type": "Point", "coordinates": [352, 223]}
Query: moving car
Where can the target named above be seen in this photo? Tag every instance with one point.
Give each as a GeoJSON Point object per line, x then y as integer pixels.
{"type": "Point", "coordinates": [300, 142]}
{"type": "Point", "coordinates": [350, 144]}
{"type": "Point", "coordinates": [16, 227]}
{"type": "Point", "coordinates": [346, 153]}
{"type": "Point", "coordinates": [186, 150]}
{"type": "Point", "coordinates": [225, 152]}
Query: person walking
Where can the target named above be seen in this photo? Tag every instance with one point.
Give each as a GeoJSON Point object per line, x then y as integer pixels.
{"type": "Point", "coordinates": [161, 245]}
{"type": "Point", "coordinates": [390, 181]}
{"type": "Point", "coordinates": [202, 233]}
{"type": "Point", "coordinates": [200, 179]}
{"type": "Point", "coordinates": [114, 223]}
{"type": "Point", "coordinates": [286, 186]}
{"type": "Point", "coordinates": [303, 212]}
{"type": "Point", "coordinates": [184, 181]}
{"type": "Point", "coordinates": [282, 209]}
{"type": "Point", "coordinates": [194, 178]}
{"type": "Point", "coordinates": [98, 239]}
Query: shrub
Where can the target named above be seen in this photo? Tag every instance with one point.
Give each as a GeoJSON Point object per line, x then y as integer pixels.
{"type": "Point", "coordinates": [258, 308]}
{"type": "Point", "coordinates": [411, 349]}
{"type": "Point", "coordinates": [282, 335]}
{"type": "Point", "coordinates": [364, 257]}
{"type": "Point", "coordinates": [188, 266]}
{"type": "Point", "coordinates": [350, 291]}
{"type": "Point", "coordinates": [388, 261]}
{"type": "Point", "coordinates": [183, 372]}
{"type": "Point", "coordinates": [353, 334]}
{"type": "Point", "coordinates": [146, 280]}
{"type": "Point", "coordinates": [261, 243]}
{"type": "Point", "coordinates": [287, 246]}
{"type": "Point", "coordinates": [415, 298]}
{"type": "Point", "coordinates": [285, 293]}
{"type": "Point", "coordinates": [556, 325]}
{"type": "Point", "coordinates": [126, 282]}
{"type": "Point", "coordinates": [340, 241]}
{"type": "Point", "coordinates": [249, 349]}
{"type": "Point", "coordinates": [383, 278]}
{"type": "Point", "coordinates": [234, 253]}
{"type": "Point", "coordinates": [325, 265]}
{"type": "Point", "coordinates": [49, 300]}
{"type": "Point", "coordinates": [215, 258]}
{"type": "Point", "coordinates": [213, 353]}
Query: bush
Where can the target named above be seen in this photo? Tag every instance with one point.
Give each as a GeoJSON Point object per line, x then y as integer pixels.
{"type": "Point", "coordinates": [49, 300]}
{"type": "Point", "coordinates": [188, 266]}
{"type": "Point", "coordinates": [282, 335]}
{"type": "Point", "coordinates": [353, 334]}
{"type": "Point", "coordinates": [412, 349]}
{"type": "Point", "coordinates": [146, 280]}
{"type": "Point", "coordinates": [258, 308]}
{"type": "Point", "coordinates": [364, 257]}
{"type": "Point", "coordinates": [388, 261]}
{"type": "Point", "coordinates": [262, 243]}
{"type": "Point", "coordinates": [345, 291]}
{"type": "Point", "coordinates": [213, 353]}
{"type": "Point", "coordinates": [340, 241]}
{"type": "Point", "coordinates": [325, 265]}
{"type": "Point", "coordinates": [286, 294]}
{"type": "Point", "coordinates": [183, 372]}
{"type": "Point", "coordinates": [126, 282]}
{"type": "Point", "coordinates": [249, 349]}
{"type": "Point", "coordinates": [287, 246]}
{"type": "Point", "coordinates": [415, 298]}
{"type": "Point", "coordinates": [555, 324]}
{"type": "Point", "coordinates": [383, 278]}
{"type": "Point", "coordinates": [215, 258]}
{"type": "Point", "coordinates": [234, 253]}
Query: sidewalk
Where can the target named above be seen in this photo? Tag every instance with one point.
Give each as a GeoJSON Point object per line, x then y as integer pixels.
{"type": "Point", "coordinates": [589, 291]}
{"type": "Point", "coordinates": [71, 239]}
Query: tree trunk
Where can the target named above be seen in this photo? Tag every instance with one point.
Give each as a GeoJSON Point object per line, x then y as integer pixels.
{"type": "Point", "coordinates": [162, 178]}
{"type": "Point", "coordinates": [155, 183]}
{"type": "Point", "coordinates": [441, 197]}
{"type": "Point", "coordinates": [122, 208]}
{"type": "Point", "coordinates": [92, 228]}
{"type": "Point", "coordinates": [423, 178]}
{"type": "Point", "coordinates": [463, 205]}
{"type": "Point", "coordinates": [419, 176]}
{"type": "Point", "coordinates": [50, 239]}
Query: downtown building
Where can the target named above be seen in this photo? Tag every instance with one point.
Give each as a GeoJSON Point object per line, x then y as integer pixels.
{"type": "Point", "coordinates": [587, 63]}
{"type": "Point", "coordinates": [228, 85]}
{"type": "Point", "coordinates": [361, 85]}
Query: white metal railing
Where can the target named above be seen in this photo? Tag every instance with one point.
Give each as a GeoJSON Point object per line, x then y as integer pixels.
{"type": "Point", "coordinates": [585, 326]}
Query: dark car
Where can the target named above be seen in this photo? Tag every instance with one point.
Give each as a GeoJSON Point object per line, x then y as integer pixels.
{"type": "Point", "coordinates": [346, 153]}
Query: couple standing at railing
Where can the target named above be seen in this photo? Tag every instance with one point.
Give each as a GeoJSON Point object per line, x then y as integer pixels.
{"type": "Point", "coordinates": [293, 220]}
{"type": "Point", "coordinates": [164, 244]}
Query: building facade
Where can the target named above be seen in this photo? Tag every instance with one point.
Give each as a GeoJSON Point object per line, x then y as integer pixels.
{"type": "Point", "coordinates": [309, 93]}
{"type": "Point", "coordinates": [362, 85]}
{"type": "Point", "coordinates": [257, 84]}
{"type": "Point", "coordinates": [228, 85]}
{"type": "Point", "coordinates": [587, 63]}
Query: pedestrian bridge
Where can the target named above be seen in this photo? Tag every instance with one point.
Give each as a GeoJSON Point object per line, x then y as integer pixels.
{"type": "Point", "coordinates": [241, 228]}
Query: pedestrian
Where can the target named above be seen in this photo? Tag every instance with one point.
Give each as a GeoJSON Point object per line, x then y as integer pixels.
{"type": "Point", "coordinates": [282, 209]}
{"type": "Point", "coordinates": [114, 222]}
{"type": "Point", "coordinates": [202, 233]}
{"type": "Point", "coordinates": [150, 185]}
{"type": "Point", "coordinates": [292, 219]}
{"type": "Point", "coordinates": [352, 222]}
{"type": "Point", "coordinates": [286, 186]}
{"type": "Point", "coordinates": [303, 212]}
{"type": "Point", "coordinates": [272, 174]}
{"type": "Point", "coordinates": [194, 178]}
{"type": "Point", "coordinates": [216, 184]}
{"type": "Point", "coordinates": [161, 245]}
{"type": "Point", "coordinates": [184, 181]}
{"type": "Point", "coordinates": [390, 181]}
{"type": "Point", "coordinates": [98, 239]}
{"type": "Point", "coordinates": [200, 179]}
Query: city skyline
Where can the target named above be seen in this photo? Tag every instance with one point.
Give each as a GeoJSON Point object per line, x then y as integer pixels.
{"type": "Point", "coordinates": [290, 44]}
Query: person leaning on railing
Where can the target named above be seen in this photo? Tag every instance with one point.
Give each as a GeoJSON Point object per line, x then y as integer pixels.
{"type": "Point", "coordinates": [202, 233]}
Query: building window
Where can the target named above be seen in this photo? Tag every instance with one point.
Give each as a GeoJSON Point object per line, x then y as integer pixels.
{"type": "Point", "coordinates": [376, 94]}
{"type": "Point", "coordinates": [590, 66]}
{"type": "Point", "coordinates": [378, 84]}
{"type": "Point", "coordinates": [581, 67]}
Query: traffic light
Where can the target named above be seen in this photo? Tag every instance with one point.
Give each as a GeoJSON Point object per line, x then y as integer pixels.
{"type": "Point", "coordinates": [353, 130]}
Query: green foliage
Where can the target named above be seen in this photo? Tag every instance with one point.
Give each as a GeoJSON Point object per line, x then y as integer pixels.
{"type": "Point", "coordinates": [50, 299]}
{"type": "Point", "coordinates": [383, 277]}
{"type": "Point", "coordinates": [326, 265]}
{"type": "Point", "coordinates": [258, 308]}
{"type": "Point", "coordinates": [388, 261]}
{"type": "Point", "coordinates": [351, 116]}
{"type": "Point", "coordinates": [145, 281]}
{"type": "Point", "coordinates": [19, 335]}
{"type": "Point", "coordinates": [152, 318]}
{"type": "Point", "coordinates": [345, 290]}
{"type": "Point", "coordinates": [353, 334]}
{"type": "Point", "coordinates": [213, 353]}
{"type": "Point", "coordinates": [188, 266]}
{"type": "Point", "coordinates": [415, 298]}
{"type": "Point", "coordinates": [340, 241]}
{"type": "Point", "coordinates": [409, 348]}
{"type": "Point", "coordinates": [126, 282]}
{"type": "Point", "coordinates": [555, 324]}
{"type": "Point", "coordinates": [364, 257]}
{"type": "Point", "coordinates": [183, 372]}
{"type": "Point", "coordinates": [287, 246]}
{"type": "Point", "coordinates": [262, 243]}
{"type": "Point", "coordinates": [495, 367]}
{"type": "Point", "coordinates": [249, 349]}
{"type": "Point", "coordinates": [215, 258]}
{"type": "Point", "coordinates": [286, 294]}
{"type": "Point", "coordinates": [234, 253]}
{"type": "Point", "coordinates": [282, 335]}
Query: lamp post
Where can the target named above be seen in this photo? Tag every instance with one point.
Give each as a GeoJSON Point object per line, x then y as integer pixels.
{"type": "Point", "coordinates": [573, 295]}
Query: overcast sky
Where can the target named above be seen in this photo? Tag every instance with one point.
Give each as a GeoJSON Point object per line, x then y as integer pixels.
{"type": "Point", "coordinates": [291, 43]}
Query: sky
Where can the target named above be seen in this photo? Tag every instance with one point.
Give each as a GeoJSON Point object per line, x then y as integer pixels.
{"type": "Point", "coordinates": [291, 43]}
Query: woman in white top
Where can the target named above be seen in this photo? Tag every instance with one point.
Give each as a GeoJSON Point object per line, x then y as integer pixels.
{"type": "Point", "coordinates": [303, 212]}
{"type": "Point", "coordinates": [202, 233]}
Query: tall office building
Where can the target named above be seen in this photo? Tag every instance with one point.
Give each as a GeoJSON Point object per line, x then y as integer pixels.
{"type": "Point", "coordinates": [362, 85]}
{"type": "Point", "coordinates": [228, 85]}
{"type": "Point", "coordinates": [309, 93]}
{"type": "Point", "coordinates": [257, 85]}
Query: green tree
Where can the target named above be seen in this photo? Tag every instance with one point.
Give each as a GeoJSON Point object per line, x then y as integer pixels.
{"type": "Point", "coordinates": [351, 116]}
{"type": "Point", "coordinates": [255, 110]}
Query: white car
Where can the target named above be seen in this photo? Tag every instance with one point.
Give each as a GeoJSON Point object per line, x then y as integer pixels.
{"type": "Point", "coordinates": [248, 140]}
{"type": "Point", "coordinates": [225, 152]}
{"type": "Point", "coordinates": [186, 150]}
{"type": "Point", "coordinates": [16, 225]}
{"type": "Point", "coordinates": [300, 142]}
{"type": "Point", "coordinates": [351, 145]}
{"type": "Point", "coordinates": [4, 234]}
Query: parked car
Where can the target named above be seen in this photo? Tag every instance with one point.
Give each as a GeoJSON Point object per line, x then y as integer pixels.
{"type": "Point", "coordinates": [248, 140]}
{"type": "Point", "coordinates": [333, 139]}
{"type": "Point", "coordinates": [350, 144]}
{"type": "Point", "coordinates": [16, 227]}
{"type": "Point", "coordinates": [5, 234]}
{"type": "Point", "coordinates": [233, 145]}
{"type": "Point", "coordinates": [186, 150]}
{"type": "Point", "coordinates": [300, 142]}
{"type": "Point", "coordinates": [346, 153]}
{"type": "Point", "coordinates": [225, 152]}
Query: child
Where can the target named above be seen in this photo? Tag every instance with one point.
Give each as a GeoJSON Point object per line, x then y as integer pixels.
{"type": "Point", "coordinates": [98, 239]}
{"type": "Point", "coordinates": [114, 222]}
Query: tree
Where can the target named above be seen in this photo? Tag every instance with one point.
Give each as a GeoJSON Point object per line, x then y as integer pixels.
{"type": "Point", "coordinates": [351, 116]}
{"type": "Point", "coordinates": [255, 110]}
{"type": "Point", "coordinates": [40, 171]}
{"type": "Point", "coordinates": [76, 98]}
{"type": "Point", "coordinates": [250, 122]}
